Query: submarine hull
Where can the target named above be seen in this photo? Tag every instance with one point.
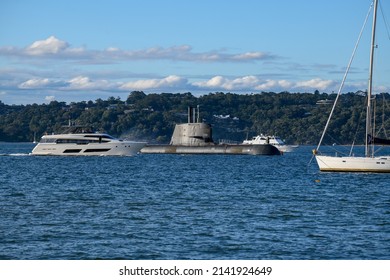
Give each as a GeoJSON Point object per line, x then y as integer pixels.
{"type": "Point", "coordinates": [224, 149]}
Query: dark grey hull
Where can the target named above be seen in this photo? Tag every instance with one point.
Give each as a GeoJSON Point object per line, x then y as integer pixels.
{"type": "Point", "coordinates": [266, 150]}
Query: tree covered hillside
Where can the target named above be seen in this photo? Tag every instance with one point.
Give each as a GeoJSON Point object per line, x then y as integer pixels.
{"type": "Point", "coordinates": [299, 118]}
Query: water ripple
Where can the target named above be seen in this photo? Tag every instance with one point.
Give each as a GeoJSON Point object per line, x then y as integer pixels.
{"type": "Point", "coordinates": [188, 207]}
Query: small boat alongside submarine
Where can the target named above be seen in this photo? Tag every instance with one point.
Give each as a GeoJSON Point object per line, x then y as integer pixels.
{"type": "Point", "coordinates": [195, 137]}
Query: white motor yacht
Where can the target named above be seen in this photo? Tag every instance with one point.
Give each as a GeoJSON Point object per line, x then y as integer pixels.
{"type": "Point", "coordinates": [273, 140]}
{"type": "Point", "coordinates": [79, 141]}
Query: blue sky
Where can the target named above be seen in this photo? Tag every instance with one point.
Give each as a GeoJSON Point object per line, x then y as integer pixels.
{"type": "Point", "coordinates": [85, 50]}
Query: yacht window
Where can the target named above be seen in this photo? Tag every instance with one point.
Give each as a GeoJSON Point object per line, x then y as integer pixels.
{"type": "Point", "coordinates": [73, 141]}
{"type": "Point", "coordinates": [48, 140]}
{"type": "Point", "coordinates": [96, 150]}
{"type": "Point", "coordinates": [99, 136]}
{"type": "Point", "coordinates": [79, 141]}
{"type": "Point", "coordinates": [68, 151]}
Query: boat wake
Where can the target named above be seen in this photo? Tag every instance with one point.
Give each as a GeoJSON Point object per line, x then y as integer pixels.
{"type": "Point", "coordinates": [15, 155]}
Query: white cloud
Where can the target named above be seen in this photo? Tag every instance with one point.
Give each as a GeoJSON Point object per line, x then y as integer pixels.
{"type": "Point", "coordinates": [244, 82]}
{"type": "Point", "coordinates": [50, 98]}
{"type": "Point", "coordinates": [251, 56]}
{"type": "Point", "coordinates": [112, 49]}
{"type": "Point", "coordinates": [266, 85]}
{"type": "Point", "coordinates": [50, 46]}
{"type": "Point", "coordinates": [379, 89]}
{"type": "Point", "coordinates": [315, 84]}
{"type": "Point", "coordinates": [40, 83]}
{"type": "Point", "coordinates": [165, 83]}
{"type": "Point", "coordinates": [173, 82]}
{"type": "Point", "coordinates": [80, 82]}
{"type": "Point", "coordinates": [214, 82]}
{"type": "Point", "coordinates": [55, 48]}
{"type": "Point", "coordinates": [35, 83]}
{"type": "Point", "coordinates": [253, 83]}
{"type": "Point", "coordinates": [221, 83]}
{"type": "Point", "coordinates": [85, 83]}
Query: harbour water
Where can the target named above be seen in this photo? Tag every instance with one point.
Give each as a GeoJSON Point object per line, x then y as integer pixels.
{"type": "Point", "coordinates": [188, 207]}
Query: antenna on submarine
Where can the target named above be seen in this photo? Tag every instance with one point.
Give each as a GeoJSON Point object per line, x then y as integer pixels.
{"type": "Point", "coordinates": [197, 119]}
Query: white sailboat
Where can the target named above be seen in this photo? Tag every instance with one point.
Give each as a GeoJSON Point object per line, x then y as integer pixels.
{"type": "Point", "coordinates": [369, 162]}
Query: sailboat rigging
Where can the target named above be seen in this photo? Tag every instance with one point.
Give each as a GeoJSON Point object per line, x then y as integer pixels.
{"type": "Point", "coordinates": [369, 162]}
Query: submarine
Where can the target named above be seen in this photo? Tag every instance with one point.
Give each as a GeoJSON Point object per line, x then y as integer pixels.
{"type": "Point", "coordinates": [195, 137]}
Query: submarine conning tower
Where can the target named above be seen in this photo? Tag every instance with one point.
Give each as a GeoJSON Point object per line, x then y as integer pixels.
{"type": "Point", "coordinates": [193, 133]}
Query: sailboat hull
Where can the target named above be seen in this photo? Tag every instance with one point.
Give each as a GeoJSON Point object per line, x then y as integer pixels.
{"type": "Point", "coordinates": [354, 164]}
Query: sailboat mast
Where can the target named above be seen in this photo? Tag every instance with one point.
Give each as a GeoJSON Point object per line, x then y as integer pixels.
{"type": "Point", "coordinates": [369, 92]}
